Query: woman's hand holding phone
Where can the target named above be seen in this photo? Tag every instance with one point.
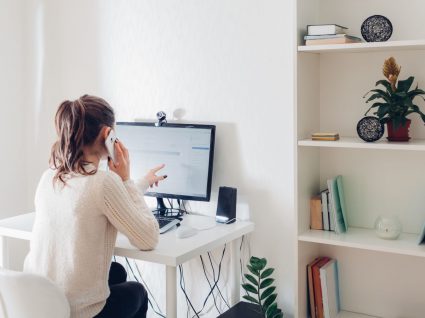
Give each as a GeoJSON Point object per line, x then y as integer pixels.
{"type": "Point", "coordinates": [121, 166]}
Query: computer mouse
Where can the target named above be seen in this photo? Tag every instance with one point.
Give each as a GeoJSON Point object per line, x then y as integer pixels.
{"type": "Point", "coordinates": [184, 231]}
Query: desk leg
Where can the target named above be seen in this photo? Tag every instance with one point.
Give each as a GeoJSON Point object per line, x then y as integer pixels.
{"type": "Point", "coordinates": [4, 257]}
{"type": "Point", "coordinates": [171, 292]}
{"type": "Point", "coordinates": [236, 295]}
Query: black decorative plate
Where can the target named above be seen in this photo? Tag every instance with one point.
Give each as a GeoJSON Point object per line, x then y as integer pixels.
{"type": "Point", "coordinates": [377, 28]}
{"type": "Point", "coordinates": [370, 129]}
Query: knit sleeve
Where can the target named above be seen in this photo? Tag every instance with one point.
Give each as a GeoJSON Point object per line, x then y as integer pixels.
{"type": "Point", "coordinates": [126, 209]}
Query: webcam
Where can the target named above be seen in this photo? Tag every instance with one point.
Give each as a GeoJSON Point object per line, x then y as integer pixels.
{"type": "Point", "coordinates": [162, 118]}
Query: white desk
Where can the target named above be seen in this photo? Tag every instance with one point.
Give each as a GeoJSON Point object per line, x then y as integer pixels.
{"type": "Point", "coordinates": [170, 251]}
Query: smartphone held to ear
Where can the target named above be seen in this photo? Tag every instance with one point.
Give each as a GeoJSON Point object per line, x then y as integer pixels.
{"type": "Point", "coordinates": [110, 144]}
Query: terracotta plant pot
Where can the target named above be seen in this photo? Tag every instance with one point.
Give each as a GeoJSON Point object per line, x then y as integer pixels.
{"type": "Point", "coordinates": [399, 134]}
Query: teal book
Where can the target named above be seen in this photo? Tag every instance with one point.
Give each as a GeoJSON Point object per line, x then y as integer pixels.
{"type": "Point", "coordinates": [330, 289]}
{"type": "Point", "coordinates": [342, 200]}
{"type": "Point", "coordinates": [336, 207]}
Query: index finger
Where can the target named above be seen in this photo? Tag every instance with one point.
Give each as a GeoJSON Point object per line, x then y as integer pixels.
{"type": "Point", "coordinates": [156, 169]}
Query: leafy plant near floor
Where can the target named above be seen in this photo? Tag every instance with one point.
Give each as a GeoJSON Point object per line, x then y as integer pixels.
{"type": "Point", "coordinates": [260, 289]}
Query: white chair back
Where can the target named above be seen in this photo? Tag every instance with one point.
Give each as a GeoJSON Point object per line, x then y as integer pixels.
{"type": "Point", "coordinates": [25, 295]}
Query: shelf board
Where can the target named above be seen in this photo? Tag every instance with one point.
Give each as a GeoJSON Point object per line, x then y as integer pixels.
{"type": "Point", "coordinates": [349, 314]}
{"type": "Point", "coordinates": [357, 143]}
{"type": "Point", "coordinates": [366, 239]}
{"type": "Point", "coordinates": [365, 47]}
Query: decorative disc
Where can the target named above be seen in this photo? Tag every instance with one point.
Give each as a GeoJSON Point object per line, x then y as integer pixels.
{"type": "Point", "coordinates": [377, 28]}
{"type": "Point", "coordinates": [370, 129]}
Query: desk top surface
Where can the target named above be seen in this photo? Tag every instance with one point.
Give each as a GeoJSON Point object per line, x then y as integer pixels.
{"type": "Point", "coordinates": [170, 251]}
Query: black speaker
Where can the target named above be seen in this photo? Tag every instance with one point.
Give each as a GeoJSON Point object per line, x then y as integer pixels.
{"type": "Point", "coordinates": [226, 206]}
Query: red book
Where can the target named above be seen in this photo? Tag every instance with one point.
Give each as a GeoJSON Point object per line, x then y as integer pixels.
{"type": "Point", "coordinates": [318, 286]}
{"type": "Point", "coordinates": [311, 287]}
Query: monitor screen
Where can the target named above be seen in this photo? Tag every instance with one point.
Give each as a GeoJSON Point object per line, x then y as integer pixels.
{"type": "Point", "coordinates": [186, 150]}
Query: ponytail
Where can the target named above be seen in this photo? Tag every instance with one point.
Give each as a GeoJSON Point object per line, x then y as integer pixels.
{"type": "Point", "coordinates": [78, 123]}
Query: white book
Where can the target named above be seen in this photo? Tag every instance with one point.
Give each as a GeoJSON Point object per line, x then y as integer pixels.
{"type": "Point", "coordinates": [325, 212]}
{"type": "Point", "coordinates": [331, 213]}
{"type": "Point", "coordinates": [323, 29]}
{"type": "Point", "coordinates": [330, 289]}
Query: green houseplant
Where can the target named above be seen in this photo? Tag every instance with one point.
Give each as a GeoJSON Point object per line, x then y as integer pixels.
{"type": "Point", "coordinates": [260, 289]}
{"type": "Point", "coordinates": [395, 101]}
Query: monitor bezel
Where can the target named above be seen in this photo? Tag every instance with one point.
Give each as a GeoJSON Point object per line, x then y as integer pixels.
{"type": "Point", "coordinates": [210, 163]}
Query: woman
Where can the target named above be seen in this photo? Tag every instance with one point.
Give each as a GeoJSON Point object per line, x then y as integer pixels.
{"type": "Point", "coordinates": [79, 210]}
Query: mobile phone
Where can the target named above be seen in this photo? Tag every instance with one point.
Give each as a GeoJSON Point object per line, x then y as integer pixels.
{"type": "Point", "coordinates": [110, 144]}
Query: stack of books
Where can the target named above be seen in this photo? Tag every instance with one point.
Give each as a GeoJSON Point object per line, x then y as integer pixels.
{"type": "Point", "coordinates": [323, 288]}
{"type": "Point", "coordinates": [328, 136]}
{"type": "Point", "coordinates": [328, 210]}
{"type": "Point", "coordinates": [322, 34]}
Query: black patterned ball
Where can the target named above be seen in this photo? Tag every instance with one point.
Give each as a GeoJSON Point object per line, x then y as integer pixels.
{"type": "Point", "coordinates": [377, 28]}
{"type": "Point", "coordinates": [370, 129]}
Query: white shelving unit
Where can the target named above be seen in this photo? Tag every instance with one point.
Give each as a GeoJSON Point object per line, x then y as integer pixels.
{"type": "Point", "coordinates": [357, 143]}
{"type": "Point", "coordinates": [365, 47]}
{"type": "Point", "coordinates": [378, 278]}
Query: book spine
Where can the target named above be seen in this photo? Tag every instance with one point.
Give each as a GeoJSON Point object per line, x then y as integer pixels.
{"type": "Point", "coordinates": [316, 221]}
{"type": "Point", "coordinates": [325, 298]}
{"type": "Point", "coordinates": [317, 287]}
{"type": "Point", "coordinates": [331, 213]}
{"type": "Point", "coordinates": [325, 211]}
{"type": "Point", "coordinates": [333, 206]}
{"type": "Point", "coordinates": [311, 287]}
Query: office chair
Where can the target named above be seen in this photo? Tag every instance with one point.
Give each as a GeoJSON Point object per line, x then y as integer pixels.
{"type": "Point", "coordinates": [30, 296]}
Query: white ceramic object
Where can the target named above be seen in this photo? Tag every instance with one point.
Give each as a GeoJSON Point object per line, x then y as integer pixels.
{"type": "Point", "coordinates": [388, 227]}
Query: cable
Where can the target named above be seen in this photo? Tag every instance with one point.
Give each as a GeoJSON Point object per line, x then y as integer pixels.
{"type": "Point", "coordinates": [135, 277]}
{"type": "Point", "coordinates": [147, 287]}
{"type": "Point", "coordinates": [209, 283]}
{"type": "Point", "coordinates": [218, 276]}
{"type": "Point", "coordinates": [187, 301]}
{"type": "Point", "coordinates": [184, 291]}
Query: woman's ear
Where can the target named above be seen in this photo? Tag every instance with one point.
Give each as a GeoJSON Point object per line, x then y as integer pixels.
{"type": "Point", "coordinates": [104, 132]}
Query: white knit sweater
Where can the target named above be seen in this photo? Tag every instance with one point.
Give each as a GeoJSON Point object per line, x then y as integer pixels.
{"type": "Point", "coordinates": [75, 229]}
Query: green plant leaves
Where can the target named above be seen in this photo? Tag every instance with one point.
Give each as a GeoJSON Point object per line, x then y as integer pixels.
{"type": "Point", "coordinates": [267, 292]}
{"type": "Point", "coordinates": [269, 301]}
{"type": "Point", "coordinates": [250, 298]}
{"type": "Point", "coordinates": [267, 273]}
{"type": "Point", "coordinates": [386, 84]}
{"type": "Point", "coordinates": [404, 86]}
{"type": "Point", "coordinates": [267, 282]}
{"type": "Point", "coordinates": [251, 279]}
{"type": "Point", "coordinates": [260, 286]}
{"type": "Point", "coordinates": [250, 288]}
{"type": "Point", "coordinates": [258, 263]}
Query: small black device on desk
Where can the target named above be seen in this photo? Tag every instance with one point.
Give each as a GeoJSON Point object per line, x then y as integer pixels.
{"type": "Point", "coordinates": [226, 205]}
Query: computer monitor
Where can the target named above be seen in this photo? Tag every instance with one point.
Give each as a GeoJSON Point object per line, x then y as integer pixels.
{"type": "Point", "coordinates": [186, 150]}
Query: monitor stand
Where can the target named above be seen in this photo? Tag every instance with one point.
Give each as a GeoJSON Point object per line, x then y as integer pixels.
{"type": "Point", "coordinates": [162, 210]}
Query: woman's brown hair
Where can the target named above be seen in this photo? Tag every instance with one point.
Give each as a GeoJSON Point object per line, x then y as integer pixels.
{"type": "Point", "coordinates": [78, 124]}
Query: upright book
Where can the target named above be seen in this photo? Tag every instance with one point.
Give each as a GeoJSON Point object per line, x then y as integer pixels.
{"type": "Point", "coordinates": [316, 218]}
{"type": "Point", "coordinates": [338, 208]}
{"type": "Point", "coordinates": [318, 298]}
{"type": "Point", "coordinates": [325, 212]}
{"type": "Point", "coordinates": [311, 287]}
{"type": "Point", "coordinates": [330, 289]}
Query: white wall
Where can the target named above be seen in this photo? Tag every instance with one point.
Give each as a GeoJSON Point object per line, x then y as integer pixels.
{"type": "Point", "coordinates": [13, 188]}
{"type": "Point", "coordinates": [223, 62]}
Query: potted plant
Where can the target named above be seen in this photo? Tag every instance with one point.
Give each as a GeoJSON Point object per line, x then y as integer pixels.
{"type": "Point", "coordinates": [395, 102]}
{"type": "Point", "coordinates": [260, 289]}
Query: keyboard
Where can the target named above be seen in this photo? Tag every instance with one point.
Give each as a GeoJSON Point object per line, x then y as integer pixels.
{"type": "Point", "coordinates": [166, 223]}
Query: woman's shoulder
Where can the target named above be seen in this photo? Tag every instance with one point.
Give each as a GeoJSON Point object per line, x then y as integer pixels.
{"type": "Point", "coordinates": [108, 178]}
